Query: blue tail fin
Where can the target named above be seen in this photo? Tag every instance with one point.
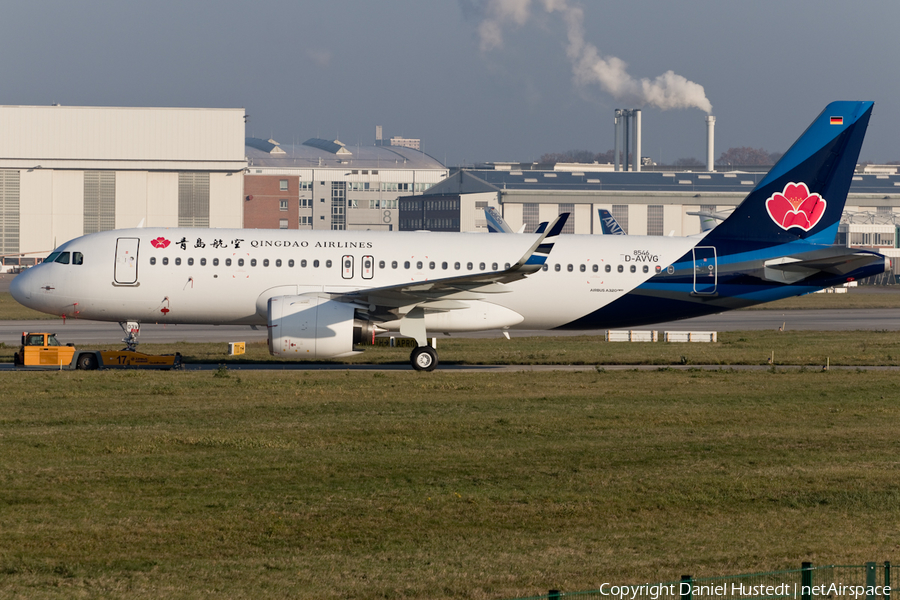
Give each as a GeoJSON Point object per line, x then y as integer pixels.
{"type": "Point", "coordinates": [803, 196]}
{"type": "Point", "coordinates": [608, 223]}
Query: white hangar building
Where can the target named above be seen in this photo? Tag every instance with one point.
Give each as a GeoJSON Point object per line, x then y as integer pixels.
{"type": "Point", "coordinates": [66, 171]}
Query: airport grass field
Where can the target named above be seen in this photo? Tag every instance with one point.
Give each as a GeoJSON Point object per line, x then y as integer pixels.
{"type": "Point", "coordinates": [369, 484]}
{"type": "Point", "coordinates": [347, 484]}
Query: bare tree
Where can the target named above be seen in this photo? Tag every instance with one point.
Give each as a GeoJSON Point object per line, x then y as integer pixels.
{"type": "Point", "coordinates": [744, 156]}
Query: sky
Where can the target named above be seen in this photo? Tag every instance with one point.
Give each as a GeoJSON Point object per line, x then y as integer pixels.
{"type": "Point", "coordinates": [475, 80]}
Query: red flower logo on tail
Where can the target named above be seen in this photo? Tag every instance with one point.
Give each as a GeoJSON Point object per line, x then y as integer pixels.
{"type": "Point", "coordinates": [796, 207]}
{"type": "Point", "coordinates": [160, 242]}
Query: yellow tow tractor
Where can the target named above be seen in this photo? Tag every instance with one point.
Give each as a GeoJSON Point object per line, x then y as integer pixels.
{"type": "Point", "coordinates": [44, 351]}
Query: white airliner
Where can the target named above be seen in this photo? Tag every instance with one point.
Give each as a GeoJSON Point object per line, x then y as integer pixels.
{"type": "Point", "coordinates": [325, 294]}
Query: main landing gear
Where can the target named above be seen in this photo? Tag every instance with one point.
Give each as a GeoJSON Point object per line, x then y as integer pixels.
{"type": "Point", "coordinates": [424, 358]}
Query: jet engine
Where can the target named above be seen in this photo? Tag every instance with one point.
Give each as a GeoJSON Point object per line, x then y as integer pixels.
{"type": "Point", "coordinates": [309, 327]}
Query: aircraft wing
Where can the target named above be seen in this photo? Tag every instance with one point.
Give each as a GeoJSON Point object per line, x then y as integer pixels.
{"type": "Point", "coordinates": [470, 286]}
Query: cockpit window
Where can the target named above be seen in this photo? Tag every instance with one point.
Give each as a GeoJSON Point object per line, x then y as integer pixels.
{"type": "Point", "coordinates": [63, 258]}
{"type": "Point", "coordinates": [52, 257]}
{"type": "Point", "coordinates": [77, 258]}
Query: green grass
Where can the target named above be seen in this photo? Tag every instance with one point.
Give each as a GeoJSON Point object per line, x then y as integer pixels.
{"type": "Point", "coordinates": [407, 485]}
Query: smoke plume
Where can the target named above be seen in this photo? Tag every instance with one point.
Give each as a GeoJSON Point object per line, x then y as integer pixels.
{"type": "Point", "coordinates": [666, 91]}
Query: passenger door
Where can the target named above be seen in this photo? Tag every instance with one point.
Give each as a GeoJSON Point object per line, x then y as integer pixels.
{"type": "Point", "coordinates": [705, 271]}
{"type": "Point", "coordinates": [126, 261]}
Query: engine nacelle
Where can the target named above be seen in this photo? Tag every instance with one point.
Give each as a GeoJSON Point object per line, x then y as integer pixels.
{"type": "Point", "coordinates": [309, 327]}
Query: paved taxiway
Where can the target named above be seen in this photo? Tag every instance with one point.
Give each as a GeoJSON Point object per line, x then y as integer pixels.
{"type": "Point", "coordinates": [95, 332]}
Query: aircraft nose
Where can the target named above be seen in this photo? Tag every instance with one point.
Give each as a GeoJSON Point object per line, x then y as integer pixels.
{"type": "Point", "coordinates": [21, 286]}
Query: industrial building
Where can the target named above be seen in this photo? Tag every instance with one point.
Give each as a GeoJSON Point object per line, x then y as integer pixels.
{"type": "Point", "coordinates": [323, 184]}
{"type": "Point", "coordinates": [66, 171]}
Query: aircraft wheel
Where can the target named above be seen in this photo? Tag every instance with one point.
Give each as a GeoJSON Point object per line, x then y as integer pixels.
{"type": "Point", "coordinates": [87, 362]}
{"type": "Point", "coordinates": [424, 358]}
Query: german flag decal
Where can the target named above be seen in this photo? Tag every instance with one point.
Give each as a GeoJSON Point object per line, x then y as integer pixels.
{"type": "Point", "coordinates": [837, 120]}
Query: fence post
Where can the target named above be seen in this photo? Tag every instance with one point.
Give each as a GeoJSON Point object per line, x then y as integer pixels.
{"type": "Point", "coordinates": [806, 581]}
{"type": "Point", "coordinates": [553, 595]}
{"type": "Point", "coordinates": [887, 580]}
{"type": "Point", "coordinates": [870, 581]}
{"type": "Point", "coordinates": [686, 595]}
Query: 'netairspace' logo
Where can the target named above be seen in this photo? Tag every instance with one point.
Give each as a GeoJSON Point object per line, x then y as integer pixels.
{"type": "Point", "coordinates": [783, 590]}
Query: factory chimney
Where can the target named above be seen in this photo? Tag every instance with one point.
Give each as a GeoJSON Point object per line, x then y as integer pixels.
{"type": "Point", "coordinates": [628, 119]}
{"type": "Point", "coordinates": [710, 143]}
{"type": "Point", "coordinates": [636, 115]}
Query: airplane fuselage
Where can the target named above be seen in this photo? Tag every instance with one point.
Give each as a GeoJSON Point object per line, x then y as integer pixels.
{"type": "Point", "coordinates": [226, 276]}
{"type": "Point", "coordinates": [213, 276]}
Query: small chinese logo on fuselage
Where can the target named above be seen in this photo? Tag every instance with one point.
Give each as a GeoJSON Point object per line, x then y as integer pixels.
{"type": "Point", "coordinates": [160, 242]}
{"type": "Point", "coordinates": [795, 206]}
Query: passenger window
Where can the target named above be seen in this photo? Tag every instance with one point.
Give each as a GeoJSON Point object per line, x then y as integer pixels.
{"type": "Point", "coordinates": [595, 268]}
{"type": "Point", "coordinates": [316, 264]}
{"type": "Point", "coordinates": [633, 268]}
{"type": "Point", "coordinates": [177, 261]}
{"type": "Point", "coordinates": [152, 260]}
{"type": "Point", "coordinates": [202, 262]}
{"type": "Point", "coordinates": [608, 268]}
{"type": "Point", "coordinates": [252, 262]}
{"type": "Point", "coordinates": [557, 267]}
{"type": "Point", "coordinates": [620, 268]}
{"type": "Point", "coordinates": [190, 262]}
{"type": "Point", "coordinates": [431, 265]}
{"type": "Point", "coordinates": [506, 266]}
{"type": "Point", "coordinates": [481, 266]}
{"type": "Point", "coordinates": [240, 262]}
{"type": "Point", "coordinates": [456, 266]}
{"type": "Point", "coordinates": [63, 258]}
{"type": "Point", "coordinates": [265, 262]}
{"type": "Point", "coordinates": [227, 262]}
{"type": "Point", "coordinates": [646, 269]}
{"type": "Point", "coordinates": [303, 263]}
{"type": "Point", "coordinates": [545, 267]}
{"type": "Point", "coordinates": [494, 267]}
{"type": "Point", "coordinates": [582, 268]}
{"type": "Point", "coordinates": [327, 264]}
{"type": "Point", "coordinates": [380, 264]}
{"type": "Point", "coordinates": [291, 263]}
{"type": "Point", "coordinates": [393, 264]}
{"type": "Point", "coordinates": [419, 265]}
{"type": "Point", "coordinates": [165, 260]}
{"type": "Point", "coordinates": [278, 263]}
{"type": "Point", "coordinates": [469, 266]}
{"type": "Point", "coordinates": [406, 264]}
{"type": "Point", "coordinates": [444, 265]}
{"type": "Point", "coordinates": [570, 268]}
{"type": "Point", "coordinates": [77, 258]}
{"type": "Point", "coordinates": [215, 262]}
